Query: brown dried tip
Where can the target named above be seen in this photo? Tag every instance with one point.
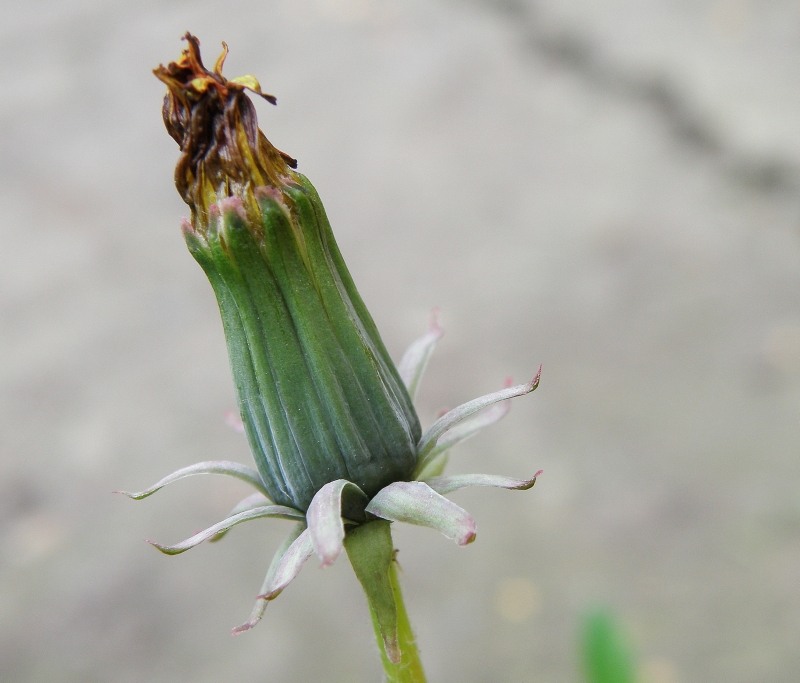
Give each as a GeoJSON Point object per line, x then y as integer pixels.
{"type": "Point", "coordinates": [223, 153]}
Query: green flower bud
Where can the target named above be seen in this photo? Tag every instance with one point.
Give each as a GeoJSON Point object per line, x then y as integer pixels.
{"type": "Point", "coordinates": [319, 397]}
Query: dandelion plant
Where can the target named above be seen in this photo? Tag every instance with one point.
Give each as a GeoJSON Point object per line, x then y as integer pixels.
{"type": "Point", "coordinates": [330, 420]}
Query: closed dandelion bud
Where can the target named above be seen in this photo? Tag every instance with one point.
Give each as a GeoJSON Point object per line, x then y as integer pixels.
{"type": "Point", "coordinates": [329, 418]}
{"type": "Point", "coordinates": [319, 397]}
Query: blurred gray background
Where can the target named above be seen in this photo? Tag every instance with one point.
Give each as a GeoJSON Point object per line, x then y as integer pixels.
{"type": "Point", "coordinates": [611, 189]}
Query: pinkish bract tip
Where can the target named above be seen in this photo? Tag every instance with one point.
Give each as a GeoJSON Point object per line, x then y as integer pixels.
{"type": "Point", "coordinates": [537, 377]}
{"type": "Point", "coordinates": [267, 192]}
{"type": "Point", "coordinates": [238, 630]}
{"type": "Point", "coordinates": [433, 323]}
{"type": "Point", "coordinates": [234, 421]}
{"type": "Point", "coordinates": [232, 205]}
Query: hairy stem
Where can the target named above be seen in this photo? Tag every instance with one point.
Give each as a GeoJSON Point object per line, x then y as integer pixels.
{"type": "Point", "coordinates": [371, 552]}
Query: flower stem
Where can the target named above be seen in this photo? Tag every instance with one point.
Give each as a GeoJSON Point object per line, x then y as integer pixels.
{"type": "Point", "coordinates": [409, 668]}
{"type": "Point", "coordinates": [371, 552]}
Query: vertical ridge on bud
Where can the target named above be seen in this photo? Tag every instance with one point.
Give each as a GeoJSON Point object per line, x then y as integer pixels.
{"type": "Point", "coordinates": [319, 396]}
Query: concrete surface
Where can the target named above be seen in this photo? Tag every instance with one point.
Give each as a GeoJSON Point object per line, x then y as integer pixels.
{"type": "Point", "coordinates": [611, 189]}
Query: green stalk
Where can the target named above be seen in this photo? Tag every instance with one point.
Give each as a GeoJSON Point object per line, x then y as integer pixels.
{"type": "Point", "coordinates": [371, 551]}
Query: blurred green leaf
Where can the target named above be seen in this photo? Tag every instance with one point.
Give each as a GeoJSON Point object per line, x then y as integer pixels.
{"type": "Point", "coordinates": [606, 656]}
